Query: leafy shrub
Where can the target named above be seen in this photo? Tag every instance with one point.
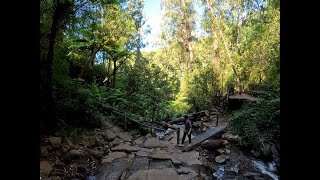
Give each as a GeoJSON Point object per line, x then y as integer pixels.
{"type": "Point", "coordinates": [259, 120]}
{"type": "Point", "coordinates": [78, 102]}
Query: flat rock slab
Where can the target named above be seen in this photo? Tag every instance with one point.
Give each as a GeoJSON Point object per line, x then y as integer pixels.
{"type": "Point", "coordinates": [146, 150]}
{"type": "Point", "coordinates": [125, 136]}
{"type": "Point", "coordinates": [189, 158]}
{"type": "Point", "coordinates": [139, 163]}
{"type": "Point", "coordinates": [139, 141]}
{"type": "Point", "coordinates": [162, 156]}
{"type": "Point", "coordinates": [166, 156]}
{"type": "Point", "coordinates": [184, 170]}
{"type": "Point", "coordinates": [112, 156]}
{"type": "Point", "coordinates": [114, 170]}
{"type": "Point", "coordinates": [116, 142]}
{"type": "Point", "coordinates": [125, 147]}
{"type": "Point", "coordinates": [160, 164]}
{"type": "Point", "coordinates": [155, 174]}
{"type": "Point", "coordinates": [187, 173]}
{"type": "Point", "coordinates": [142, 153]}
{"type": "Point", "coordinates": [176, 162]}
{"type": "Point", "coordinates": [154, 143]}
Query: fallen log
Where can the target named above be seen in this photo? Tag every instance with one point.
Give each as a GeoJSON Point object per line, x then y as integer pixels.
{"type": "Point", "coordinates": [177, 120]}
{"type": "Point", "coordinates": [192, 116]}
{"type": "Point", "coordinates": [167, 125]}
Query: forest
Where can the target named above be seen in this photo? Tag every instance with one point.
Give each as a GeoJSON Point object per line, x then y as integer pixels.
{"type": "Point", "coordinates": [92, 56]}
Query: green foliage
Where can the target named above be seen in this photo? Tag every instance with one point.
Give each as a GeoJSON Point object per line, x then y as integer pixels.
{"type": "Point", "coordinates": [72, 132]}
{"type": "Point", "coordinates": [204, 88]}
{"type": "Point", "coordinates": [116, 98]}
{"type": "Point", "coordinates": [78, 102]}
{"type": "Point", "coordinates": [258, 121]}
{"type": "Point", "coordinates": [100, 41]}
{"type": "Point", "coordinates": [146, 91]}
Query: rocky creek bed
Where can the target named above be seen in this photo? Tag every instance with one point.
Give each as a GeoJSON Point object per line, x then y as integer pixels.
{"type": "Point", "coordinates": [114, 154]}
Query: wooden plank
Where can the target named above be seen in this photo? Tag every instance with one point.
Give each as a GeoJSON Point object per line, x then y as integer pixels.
{"type": "Point", "coordinates": [243, 96]}
{"type": "Point", "coordinates": [202, 137]}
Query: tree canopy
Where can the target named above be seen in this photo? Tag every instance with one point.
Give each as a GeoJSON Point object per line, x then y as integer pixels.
{"type": "Point", "coordinates": [91, 53]}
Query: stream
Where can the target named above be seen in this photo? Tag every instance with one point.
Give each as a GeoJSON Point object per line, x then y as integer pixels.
{"type": "Point", "coordinates": [239, 166]}
{"type": "Point", "coordinates": [264, 168]}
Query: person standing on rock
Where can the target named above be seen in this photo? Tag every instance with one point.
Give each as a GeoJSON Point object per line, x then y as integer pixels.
{"type": "Point", "coordinates": [187, 130]}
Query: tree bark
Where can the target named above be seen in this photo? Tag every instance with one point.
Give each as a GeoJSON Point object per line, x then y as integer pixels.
{"type": "Point", "coordinates": [114, 72]}
{"type": "Point", "coordinates": [89, 60]}
{"type": "Point", "coordinates": [52, 39]}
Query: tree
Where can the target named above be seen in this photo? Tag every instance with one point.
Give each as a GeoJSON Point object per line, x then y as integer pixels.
{"type": "Point", "coordinates": [60, 11]}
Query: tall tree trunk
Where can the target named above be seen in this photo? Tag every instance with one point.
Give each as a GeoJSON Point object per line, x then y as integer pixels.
{"type": "Point", "coordinates": [114, 72]}
{"type": "Point", "coordinates": [93, 58]}
{"type": "Point", "coordinates": [189, 43]}
{"type": "Point", "coordinates": [89, 61]}
{"type": "Point", "coordinates": [52, 39]}
{"type": "Point", "coordinates": [109, 72]}
{"type": "Point", "coordinates": [139, 47]}
{"type": "Point", "coordinates": [210, 4]}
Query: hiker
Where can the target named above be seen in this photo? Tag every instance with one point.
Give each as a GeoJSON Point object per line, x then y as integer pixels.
{"type": "Point", "coordinates": [187, 130]}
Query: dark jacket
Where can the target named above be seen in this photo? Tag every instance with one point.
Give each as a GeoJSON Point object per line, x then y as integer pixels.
{"type": "Point", "coordinates": [188, 125]}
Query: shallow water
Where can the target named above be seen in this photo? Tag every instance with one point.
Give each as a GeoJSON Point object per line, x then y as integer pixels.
{"type": "Point", "coordinates": [266, 169]}
{"type": "Point", "coordinates": [219, 173]}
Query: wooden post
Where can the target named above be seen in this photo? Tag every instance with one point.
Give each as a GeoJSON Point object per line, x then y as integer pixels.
{"type": "Point", "coordinates": [217, 120]}
{"type": "Point", "coordinates": [201, 126]}
{"type": "Point", "coordinates": [178, 135]}
{"type": "Point", "coordinates": [125, 124]}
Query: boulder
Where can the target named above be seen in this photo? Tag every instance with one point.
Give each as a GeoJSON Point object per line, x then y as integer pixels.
{"type": "Point", "coordinates": [76, 153]}
{"type": "Point", "coordinates": [65, 148]}
{"type": "Point", "coordinates": [67, 141]}
{"type": "Point", "coordinates": [230, 137]}
{"type": "Point", "coordinates": [190, 158]}
{"type": "Point", "coordinates": [221, 159]}
{"type": "Point", "coordinates": [213, 144]}
{"type": "Point", "coordinates": [125, 136]}
{"type": "Point", "coordinates": [266, 151]}
{"type": "Point", "coordinates": [44, 152]}
{"type": "Point", "coordinates": [220, 151]}
{"type": "Point", "coordinates": [94, 153]}
{"type": "Point", "coordinates": [55, 142]}
{"type": "Point", "coordinates": [45, 167]}
{"type": "Point", "coordinates": [99, 142]}
{"type": "Point", "coordinates": [227, 151]}
{"type": "Point", "coordinates": [109, 135]}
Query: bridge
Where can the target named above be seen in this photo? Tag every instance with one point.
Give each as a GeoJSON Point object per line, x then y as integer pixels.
{"type": "Point", "coordinates": [204, 136]}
